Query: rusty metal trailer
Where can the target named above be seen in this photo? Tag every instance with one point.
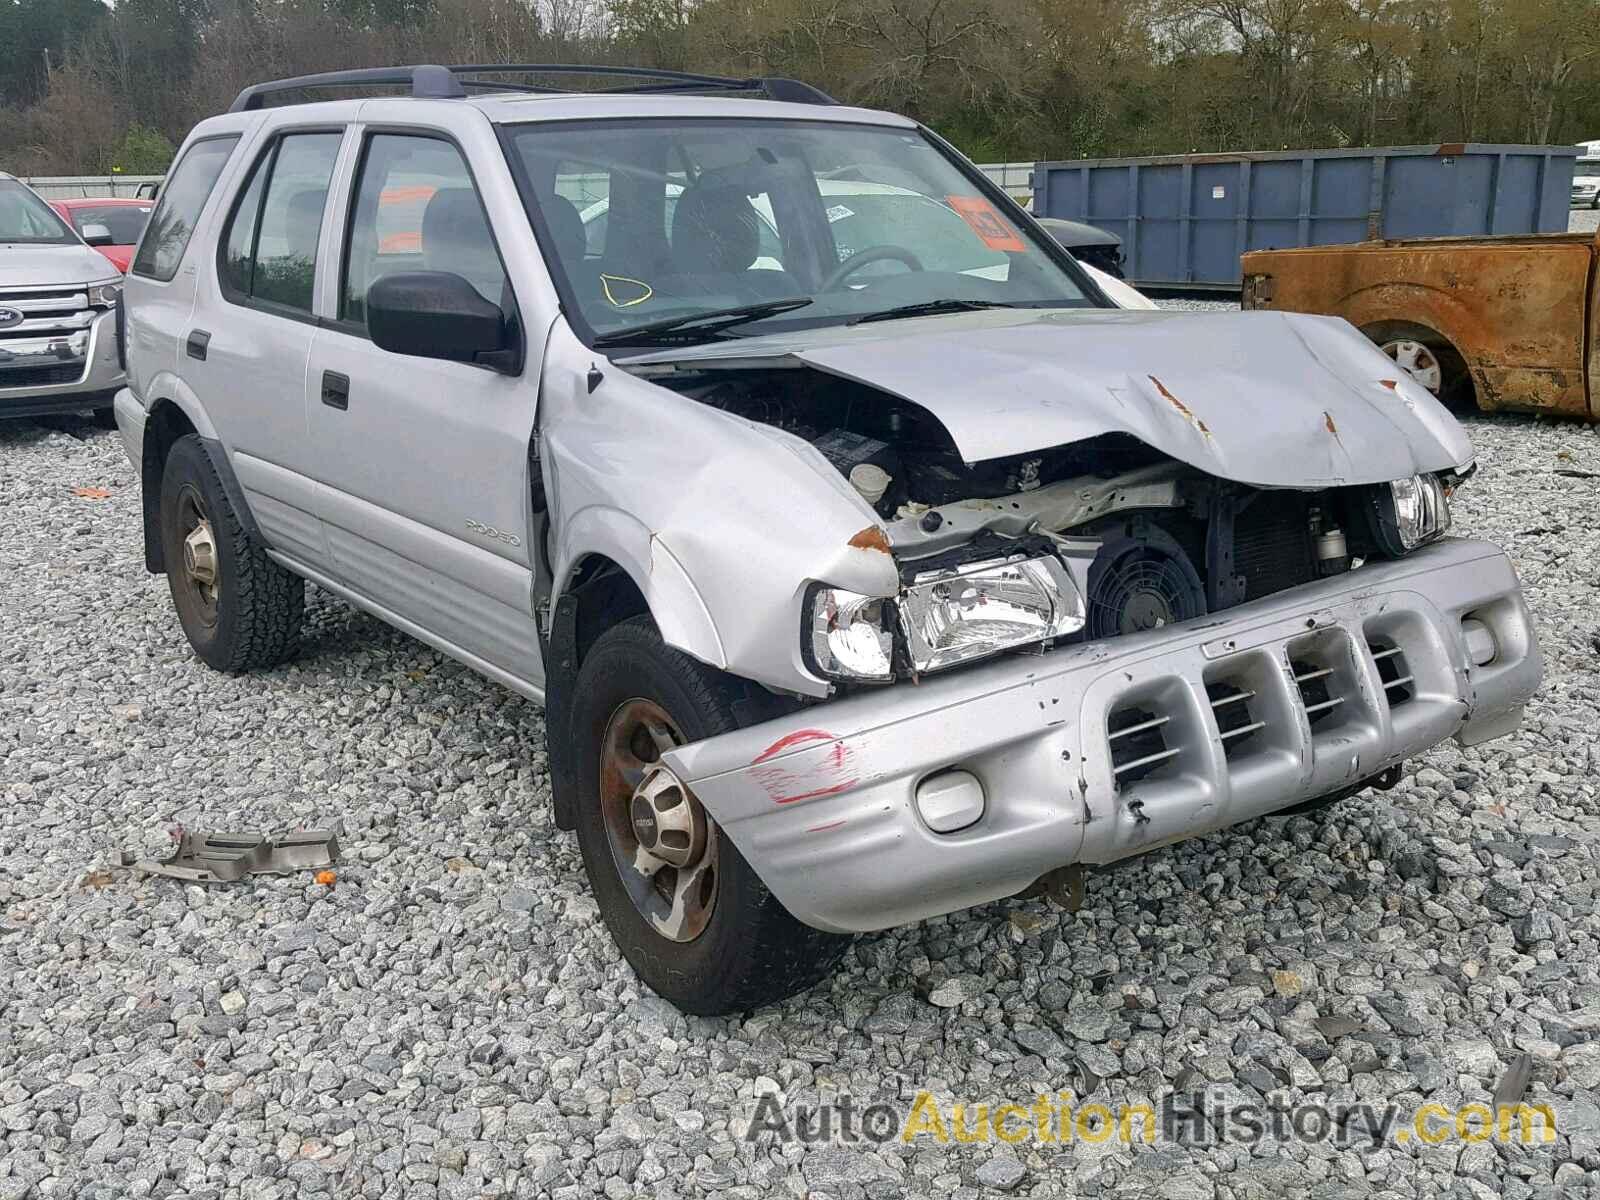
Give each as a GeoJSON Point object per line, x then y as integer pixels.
{"type": "Point", "coordinates": [1184, 220]}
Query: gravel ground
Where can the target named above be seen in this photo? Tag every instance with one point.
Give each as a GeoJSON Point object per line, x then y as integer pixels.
{"type": "Point", "coordinates": [450, 1018]}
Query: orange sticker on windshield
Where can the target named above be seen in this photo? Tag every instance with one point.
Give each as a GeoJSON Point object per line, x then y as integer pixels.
{"type": "Point", "coordinates": [992, 229]}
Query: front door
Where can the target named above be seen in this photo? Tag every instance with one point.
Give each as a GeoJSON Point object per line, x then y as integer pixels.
{"type": "Point", "coordinates": [423, 464]}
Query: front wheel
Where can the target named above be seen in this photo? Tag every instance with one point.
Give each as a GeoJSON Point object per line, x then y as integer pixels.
{"type": "Point", "coordinates": [687, 911]}
{"type": "Point", "coordinates": [238, 608]}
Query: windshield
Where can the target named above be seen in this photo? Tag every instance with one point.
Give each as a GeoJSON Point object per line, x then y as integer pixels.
{"type": "Point", "coordinates": [651, 221]}
{"type": "Point", "coordinates": [26, 218]}
{"type": "Point", "coordinates": [125, 221]}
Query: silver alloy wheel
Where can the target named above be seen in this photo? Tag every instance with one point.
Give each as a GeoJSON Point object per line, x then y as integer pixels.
{"type": "Point", "coordinates": [1416, 360]}
{"type": "Point", "coordinates": [663, 843]}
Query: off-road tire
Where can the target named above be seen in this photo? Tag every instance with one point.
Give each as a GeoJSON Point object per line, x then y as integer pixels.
{"type": "Point", "coordinates": [259, 604]}
{"type": "Point", "coordinates": [752, 952]}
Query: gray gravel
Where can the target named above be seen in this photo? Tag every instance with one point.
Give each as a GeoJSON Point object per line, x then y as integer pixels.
{"type": "Point", "coordinates": [450, 1018]}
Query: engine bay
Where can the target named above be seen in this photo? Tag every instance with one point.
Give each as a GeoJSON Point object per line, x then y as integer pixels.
{"type": "Point", "coordinates": [1152, 540]}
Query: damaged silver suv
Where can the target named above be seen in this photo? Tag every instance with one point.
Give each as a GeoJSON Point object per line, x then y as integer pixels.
{"type": "Point", "coordinates": [870, 563]}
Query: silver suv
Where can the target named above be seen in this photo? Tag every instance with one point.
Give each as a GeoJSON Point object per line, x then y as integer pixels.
{"type": "Point", "coordinates": [58, 311]}
{"type": "Point", "coordinates": [868, 562]}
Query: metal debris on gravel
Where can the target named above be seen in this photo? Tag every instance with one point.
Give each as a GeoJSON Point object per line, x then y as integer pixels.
{"type": "Point", "coordinates": [453, 1021]}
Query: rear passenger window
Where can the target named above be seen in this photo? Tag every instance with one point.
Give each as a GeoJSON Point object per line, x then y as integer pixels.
{"type": "Point", "coordinates": [184, 195]}
{"type": "Point", "coordinates": [416, 209]}
{"type": "Point", "coordinates": [270, 245]}
{"type": "Point", "coordinates": [237, 268]}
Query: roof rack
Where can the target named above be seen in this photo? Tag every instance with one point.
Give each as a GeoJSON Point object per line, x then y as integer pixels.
{"type": "Point", "coordinates": [431, 82]}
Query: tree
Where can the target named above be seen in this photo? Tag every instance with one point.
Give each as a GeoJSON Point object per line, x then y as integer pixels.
{"type": "Point", "coordinates": [144, 151]}
{"type": "Point", "coordinates": [36, 35]}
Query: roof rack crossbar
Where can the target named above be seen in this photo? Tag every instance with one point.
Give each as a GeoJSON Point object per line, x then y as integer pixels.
{"type": "Point", "coordinates": [433, 82]}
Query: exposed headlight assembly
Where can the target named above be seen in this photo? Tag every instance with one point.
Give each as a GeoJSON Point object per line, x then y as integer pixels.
{"type": "Point", "coordinates": [1409, 513]}
{"type": "Point", "coordinates": [848, 636]}
{"type": "Point", "coordinates": [944, 618]}
{"type": "Point", "coordinates": [104, 295]}
{"type": "Point", "coordinates": [973, 611]}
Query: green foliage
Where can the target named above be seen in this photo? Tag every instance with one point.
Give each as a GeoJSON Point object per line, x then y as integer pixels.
{"type": "Point", "coordinates": [34, 32]}
{"type": "Point", "coordinates": [144, 151]}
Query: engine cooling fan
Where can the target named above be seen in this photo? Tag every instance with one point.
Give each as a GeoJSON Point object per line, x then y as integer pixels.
{"type": "Point", "coordinates": [1142, 580]}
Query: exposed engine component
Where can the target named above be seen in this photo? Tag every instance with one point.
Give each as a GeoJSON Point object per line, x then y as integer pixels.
{"type": "Point", "coordinates": [854, 425]}
{"type": "Point", "coordinates": [1141, 579]}
{"type": "Point", "coordinates": [869, 464]}
{"type": "Point", "coordinates": [1151, 540]}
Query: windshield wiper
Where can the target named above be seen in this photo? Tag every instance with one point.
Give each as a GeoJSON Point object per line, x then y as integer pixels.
{"type": "Point", "coordinates": [928, 308]}
{"type": "Point", "coordinates": [671, 329]}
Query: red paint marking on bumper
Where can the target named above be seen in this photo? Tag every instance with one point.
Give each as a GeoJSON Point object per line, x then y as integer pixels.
{"type": "Point", "coordinates": [789, 741]}
{"type": "Point", "coordinates": [825, 828]}
{"type": "Point", "coordinates": [827, 791]}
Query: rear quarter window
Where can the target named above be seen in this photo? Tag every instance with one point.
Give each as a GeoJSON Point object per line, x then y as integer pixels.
{"type": "Point", "coordinates": [182, 200]}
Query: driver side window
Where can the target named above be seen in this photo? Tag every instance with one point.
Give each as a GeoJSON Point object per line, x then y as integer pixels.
{"type": "Point", "coordinates": [417, 209]}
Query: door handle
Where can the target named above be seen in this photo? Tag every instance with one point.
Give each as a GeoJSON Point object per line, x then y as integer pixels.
{"type": "Point", "coordinates": [336, 390]}
{"type": "Point", "coordinates": [199, 339]}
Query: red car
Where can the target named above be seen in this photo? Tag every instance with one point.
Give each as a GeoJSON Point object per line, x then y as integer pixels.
{"type": "Point", "coordinates": [122, 219]}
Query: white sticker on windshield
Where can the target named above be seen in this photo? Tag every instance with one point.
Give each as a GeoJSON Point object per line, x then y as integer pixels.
{"type": "Point", "coordinates": [838, 213]}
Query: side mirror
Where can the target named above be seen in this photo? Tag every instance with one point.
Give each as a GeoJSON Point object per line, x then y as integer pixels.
{"type": "Point", "coordinates": [438, 314]}
{"type": "Point", "coordinates": [97, 235]}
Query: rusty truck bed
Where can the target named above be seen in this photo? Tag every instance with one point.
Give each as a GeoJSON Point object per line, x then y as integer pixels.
{"type": "Point", "coordinates": [1510, 318]}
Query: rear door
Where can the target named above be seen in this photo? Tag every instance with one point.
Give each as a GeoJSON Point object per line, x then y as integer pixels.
{"type": "Point", "coordinates": [159, 291]}
{"type": "Point", "coordinates": [246, 351]}
{"type": "Point", "coordinates": [423, 464]}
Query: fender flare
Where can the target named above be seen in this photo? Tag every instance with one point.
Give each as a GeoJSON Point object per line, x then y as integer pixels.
{"type": "Point", "coordinates": [599, 532]}
{"type": "Point", "coordinates": [679, 611]}
{"type": "Point", "coordinates": [154, 454]}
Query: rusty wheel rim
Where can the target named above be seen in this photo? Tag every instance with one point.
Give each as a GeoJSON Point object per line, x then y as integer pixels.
{"type": "Point", "coordinates": [662, 842]}
{"type": "Point", "coordinates": [1418, 361]}
{"type": "Point", "coordinates": [200, 570]}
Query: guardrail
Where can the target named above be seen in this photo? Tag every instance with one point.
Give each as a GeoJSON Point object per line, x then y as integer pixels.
{"type": "Point", "coordinates": [1016, 178]}
{"type": "Point", "coordinates": [75, 187]}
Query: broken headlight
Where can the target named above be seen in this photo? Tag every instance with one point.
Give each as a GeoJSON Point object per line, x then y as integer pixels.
{"type": "Point", "coordinates": [973, 611]}
{"type": "Point", "coordinates": [942, 618]}
{"type": "Point", "coordinates": [847, 636]}
{"type": "Point", "coordinates": [1409, 513]}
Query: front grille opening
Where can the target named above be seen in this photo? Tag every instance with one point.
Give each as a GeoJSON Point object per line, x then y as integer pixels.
{"type": "Point", "coordinates": [1272, 544]}
{"type": "Point", "coordinates": [1137, 738]}
{"type": "Point", "coordinates": [21, 377]}
{"type": "Point", "coordinates": [1232, 704]}
{"type": "Point", "coordinates": [1315, 682]}
{"type": "Point", "coordinates": [1399, 685]}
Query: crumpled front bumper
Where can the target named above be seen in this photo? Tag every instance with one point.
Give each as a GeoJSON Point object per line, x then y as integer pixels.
{"type": "Point", "coordinates": [822, 803]}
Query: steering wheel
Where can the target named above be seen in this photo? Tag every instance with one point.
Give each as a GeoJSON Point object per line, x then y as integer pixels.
{"type": "Point", "coordinates": [870, 255]}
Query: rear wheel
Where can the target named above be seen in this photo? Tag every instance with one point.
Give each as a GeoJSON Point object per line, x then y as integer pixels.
{"type": "Point", "coordinates": [1429, 359]}
{"type": "Point", "coordinates": [238, 608]}
{"type": "Point", "coordinates": [1416, 360]}
{"type": "Point", "coordinates": [687, 911]}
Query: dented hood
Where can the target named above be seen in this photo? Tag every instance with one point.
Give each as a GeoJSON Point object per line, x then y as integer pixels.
{"type": "Point", "coordinates": [1263, 398]}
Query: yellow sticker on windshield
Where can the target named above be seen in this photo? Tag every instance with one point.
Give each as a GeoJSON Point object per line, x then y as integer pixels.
{"type": "Point", "coordinates": [627, 301]}
{"type": "Point", "coordinates": [992, 229]}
